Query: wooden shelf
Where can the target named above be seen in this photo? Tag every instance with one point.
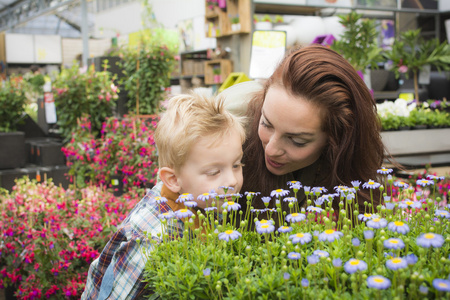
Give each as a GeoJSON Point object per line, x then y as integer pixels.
{"type": "Point", "coordinates": [225, 66]}
{"type": "Point", "coordinates": [218, 22]}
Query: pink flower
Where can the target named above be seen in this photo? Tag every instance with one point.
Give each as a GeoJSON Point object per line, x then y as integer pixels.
{"type": "Point", "coordinates": [403, 69]}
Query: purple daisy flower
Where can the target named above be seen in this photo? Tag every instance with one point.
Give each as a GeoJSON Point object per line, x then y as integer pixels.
{"type": "Point", "coordinates": [183, 213]}
{"type": "Point", "coordinates": [378, 282]}
{"type": "Point", "coordinates": [279, 193]}
{"type": "Point", "coordinates": [401, 184]}
{"type": "Point", "coordinates": [330, 235]}
{"type": "Point", "coordinates": [356, 242]}
{"type": "Point", "coordinates": [206, 272]}
{"type": "Point", "coordinates": [337, 262]}
{"type": "Point", "coordinates": [266, 200]}
{"type": "Point", "coordinates": [295, 217]}
{"type": "Point", "coordinates": [184, 197]}
{"type": "Point", "coordinates": [399, 227]}
{"type": "Point", "coordinates": [424, 182]}
{"type": "Point", "coordinates": [167, 215]}
{"type": "Point", "coordinates": [190, 203]}
{"type": "Point", "coordinates": [318, 190]}
{"type": "Point", "coordinates": [321, 253]}
{"type": "Point", "coordinates": [428, 240]}
{"type": "Point", "coordinates": [390, 205]}
{"type": "Point", "coordinates": [265, 228]}
{"type": "Point", "coordinates": [296, 186]}
{"type": "Point", "coordinates": [368, 234]}
{"type": "Point", "coordinates": [305, 283]}
{"type": "Point", "coordinates": [294, 255]}
{"type": "Point", "coordinates": [371, 184]}
{"type": "Point", "coordinates": [160, 200]}
{"type": "Point", "coordinates": [356, 183]}
{"type": "Point", "coordinates": [396, 263]}
{"type": "Point", "coordinates": [229, 235]}
{"type": "Point", "coordinates": [312, 259]}
{"type": "Point", "coordinates": [290, 199]}
{"type": "Point", "coordinates": [210, 208]}
{"type": "Point", "coordinates": [384, 171]}
{"type": "Point", "coordinates": [293, 182]}
{"type": "Point", "coordinates": [366, 216]}
{"type": "Point", "coordinates": [302, 238]}
{"type": "Point", "coordinates": [411, 259]}
{"type": "Point", "coordinates": [442, 213]}
{"type": "Point", "coordinates": [314, 209]}
{"type": "Point", "coordinates": [231, 205]}
{"type": "Point", "coordinates": [408, 203]}
{"type": "Point", "coordinates": [206, 196]}
{"type": "Point", "coordinates": [285, 229]}
{"type": "Point", "coordinates": [377, 223]}
{"type": "Point", "coordinates": [434, 177]}
{"type": "Point", "coordinates": [394, 243]}
{"type": "Point", "coordinates": [353, 265]}
{"type": "Point", "coordinates": [442, 285]}
{"type": "Point", "coordinates": [286, 276]}
{"type": "Point", "coordinates": [263, 222]}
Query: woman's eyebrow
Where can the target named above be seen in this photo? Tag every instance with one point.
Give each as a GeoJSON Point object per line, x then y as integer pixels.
{"type": "Point", "coordinates": [288, 133]}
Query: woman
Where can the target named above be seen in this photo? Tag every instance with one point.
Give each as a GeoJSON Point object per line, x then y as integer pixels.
{"type": "Point", "coordinates": [315, 121]}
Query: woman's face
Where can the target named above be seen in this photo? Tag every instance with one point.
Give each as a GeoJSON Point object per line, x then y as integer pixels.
{"type": "Point", "coordinates": [290, 132]}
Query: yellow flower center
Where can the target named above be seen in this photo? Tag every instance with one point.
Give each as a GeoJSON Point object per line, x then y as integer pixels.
{"type": "Point", "coordinates": [354, 262]}
{"type": "Point", "coordinates": [378, 280]}
{"type": "Point", "coordinates": [265, 226]}
{"type": "Point", "coordinates": [205, 194]}
{"type": "Point", "coordinates": [429, 236]}
{"type": "Point", "coordinates": [165, 214]}
{"type": "Point", "coordinates": [394, 241]}
{"type": "Point", "coordinates": [409, 202]}
{"type": "Point", "coordinates": [279, 190]}
{"type": "Point", "coordinates": [229, 232]}
{"type": "Point", "coordinates": [398, 223]}
{"type": "Point", "coordinates": [329, 231]}
{"type": "Point", "coordinates": [396, 260]}
{"type": "Point", "coordinates": [384, 170]}
{"type": "Point", "coordinates": [263, 221]}
{"type": "Point", "coordinates": [300, 235]}
{"type": "Point", "coordinates": [295, 214]}
{"type": "Point", "coordinates": [376, 220]}
{"type": "Point", "coordinates": [367, 215]}
{"type": "Point", "coordinates": [443, 285]}
{"type": "Point", "coordinates": [230, 202]}
{"type": "Point", "coordinates": [183, 210]}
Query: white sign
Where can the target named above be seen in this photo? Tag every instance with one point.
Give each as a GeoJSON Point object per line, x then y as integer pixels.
{"type": "Point", "coordinates": [268, 48]}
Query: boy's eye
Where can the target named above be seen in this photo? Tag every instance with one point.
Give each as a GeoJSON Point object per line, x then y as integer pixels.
{"type": "Point", "coordinates": [212, 172]}
{"type": "Point", "coordinates": [237, 166]}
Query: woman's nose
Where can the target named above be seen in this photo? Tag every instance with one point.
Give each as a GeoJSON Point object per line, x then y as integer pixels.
{"type": "Point", "coordinates": [274, 147]}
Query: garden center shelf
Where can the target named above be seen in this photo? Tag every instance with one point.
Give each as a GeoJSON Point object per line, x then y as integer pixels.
{"type": "Point", "coordinates": [419, 147]}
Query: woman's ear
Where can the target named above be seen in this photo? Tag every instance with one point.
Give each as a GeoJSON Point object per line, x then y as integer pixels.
{"type": "Point", "coordinates": [170, 179]}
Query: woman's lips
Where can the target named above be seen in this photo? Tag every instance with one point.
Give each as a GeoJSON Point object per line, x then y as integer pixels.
{"type": "Point", "coordinates": [273, 163]}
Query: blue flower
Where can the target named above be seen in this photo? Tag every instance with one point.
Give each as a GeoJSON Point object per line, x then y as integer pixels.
{"type": "Point", "coordinates": [394, 243]}
{"type": "Point", "coordinates": [356, 183]}
{"type": "Point", "coordinates": [321, 253]}
{"type": "Point", "coordinates": [263, 221]}
{"type": "Point", "coordinates": [330, 235]}
{"type": "Point", "coordinates": [184, 197]}
{"type": "Point", "coordinates": [294, 255]}
{"type": "Point", "coordinates": [296, 186]}
{"type": "Point", "coordinates": [411, 259]}
{"type": "Point", "coordinates": [265, 228]}
{"type": "Point", "coordinates": [399, 227]}
{"type": "Point", "coordinates": [401, 184]}
{"type": "Point", "coordinates": [408, 203]}
{"type": "Point", "coordinates": [292, 182]}
{"type": "Point", "coordinates": [166, 215]}
{"type": "Point", "coordinates": [314, 209]}
{"type": "Point", "coordinates": [302, 238]}
{"type": "Point", "coordinates": [206, 272]}
{"type": "Point", "coordinates": [337, 262]}
{"type": "Point", "coordinates": [183, 213]}
{"type": "Point", "coordinates": [229, 235]}
{"type": "Point", "coordinates": [396, 263]}
{"type": "Point", "coordinates": [312, 259]}
{"type": "Point", "coordinates": [354, 265]}
{"type": "Point", "coordinates": [290, 199]}
{"type": "Point", "coordinates": [285, 229]}
{"type": "Point", "coordinates": [437, 178]}
{"type": "Point", "coordinates": [318, 190]}
{"type": "Point", "coordinates": [295, 217]}
{"type": "Point", "coordinates": [279, 193]}
{"type": "Point", "coordinates": [428, 240]}
{"type": "Point", "coordinates": [378, 282]}
{"type": "Point", "coordinates": [384, 171]}
{"type": "Point", "coordinates": [207, 196]}
{"type": "Point", "coordinates": [190, 203]}
{"type": "Point", "coordinates": [366, 216]}
{"type": "Point", "coordinates": [390, 205]}
{"type": "Point", "coordinates": [210, 208]}
{"type": "Point", "coordinates": [442, 285]}
{"type": "Point", "coordinates": [250, 195]}
{"type": "Point", "coordinates": [286, 276]}
{"type": "Point", "coordinates": [377, 223]}
{"type": "Point", "coordinates": [442, 213]}
{"type": "Point", "coordinates": [368, 234]}
{"type": "Point", "coordinates": [231, 205]}
{"type": "Point", "coordinates": [307, 189]}
{"type": "Point", "coordinates": [423, 289]}
{"type": "Point", "coordinates": [356, 242]}
{"type": "Point", "coordinates": [266, 200]}
{"type": "Point", "coordinates": [305, 282]}
{"type": "Point", "coordinates": [160, 200]}
{"type": "Point", "coordinates": [371, 184]}
{"type": "Point", "coordinates": [424, 182]}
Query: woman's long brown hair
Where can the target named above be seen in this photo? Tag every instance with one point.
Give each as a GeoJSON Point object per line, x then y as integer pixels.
{"type": "Point", "coordinates": [323, 77]}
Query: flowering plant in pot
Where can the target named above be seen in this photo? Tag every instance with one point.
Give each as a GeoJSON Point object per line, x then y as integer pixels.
{"type": "Point", "coordinates": [12, 104]}
{"type": "Point", "coordinates": [411, 52]}
{"type": "Point", "coordinates": [125, 149]}
{"type": "Point", "coordinates": [398, 249]}
{"type": "Point", "coordinates": [83, 91]}
{"type": "Point", "coordinates": [51, 235]}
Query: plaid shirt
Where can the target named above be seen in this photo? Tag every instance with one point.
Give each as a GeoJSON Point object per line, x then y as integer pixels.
{"type": "Point", "coordinates": [118, 272]}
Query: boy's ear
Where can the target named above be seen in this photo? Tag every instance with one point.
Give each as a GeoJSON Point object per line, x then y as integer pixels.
{"type": "Point", "coordinates": [170, 179]}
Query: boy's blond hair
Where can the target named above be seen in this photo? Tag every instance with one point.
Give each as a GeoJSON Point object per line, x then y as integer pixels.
{"type": "Point", "coordinates": [187, 118]}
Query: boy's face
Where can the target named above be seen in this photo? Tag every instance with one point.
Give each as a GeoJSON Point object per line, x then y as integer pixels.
{"type": "Point", "coordinates": [211, 164]}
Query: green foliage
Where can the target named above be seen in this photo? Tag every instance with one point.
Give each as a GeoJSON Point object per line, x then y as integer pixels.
{"type": "Point", "coordinates": [12, 105]}
{"type": "Point", "coordinates": [147, 72]}
{"type": "Point", "coordinates": [77, 93]}
{"type": "Point", "coordinates": [358, 42]}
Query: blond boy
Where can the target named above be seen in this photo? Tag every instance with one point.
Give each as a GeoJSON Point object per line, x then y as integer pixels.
{"type": "Point", "coordinates": [200, 150]}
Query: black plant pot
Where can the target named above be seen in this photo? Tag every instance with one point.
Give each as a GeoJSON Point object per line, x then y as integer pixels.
{"type": "Point", "coordinates": [9, 293]}
{"type": "Point", "coordinates": [117, 185]}
{"type": "Point", "coordinates": [12, 150]}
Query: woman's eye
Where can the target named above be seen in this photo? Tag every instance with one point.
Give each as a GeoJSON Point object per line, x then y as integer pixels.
{"type": "Point", "coordinates": [263, 123]}
{"type": "Point", "coordinates": [237, 166]}
{"type": "Point", "coordinates": [298, 144]}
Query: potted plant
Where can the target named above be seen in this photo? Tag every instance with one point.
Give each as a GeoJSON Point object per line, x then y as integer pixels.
{"type": "Point", "coordinates": [216, 74]}
{"type": "Point", "coordinates": [235, 25]}
{"type": "Point", "coordinates": [412, 53]}
{"type": "Point", "coordinates": [12, 107]}
{"type": "Point", "coordinates": [264, 23]}
{"type": "Point", "coordinates": [358, 44]}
